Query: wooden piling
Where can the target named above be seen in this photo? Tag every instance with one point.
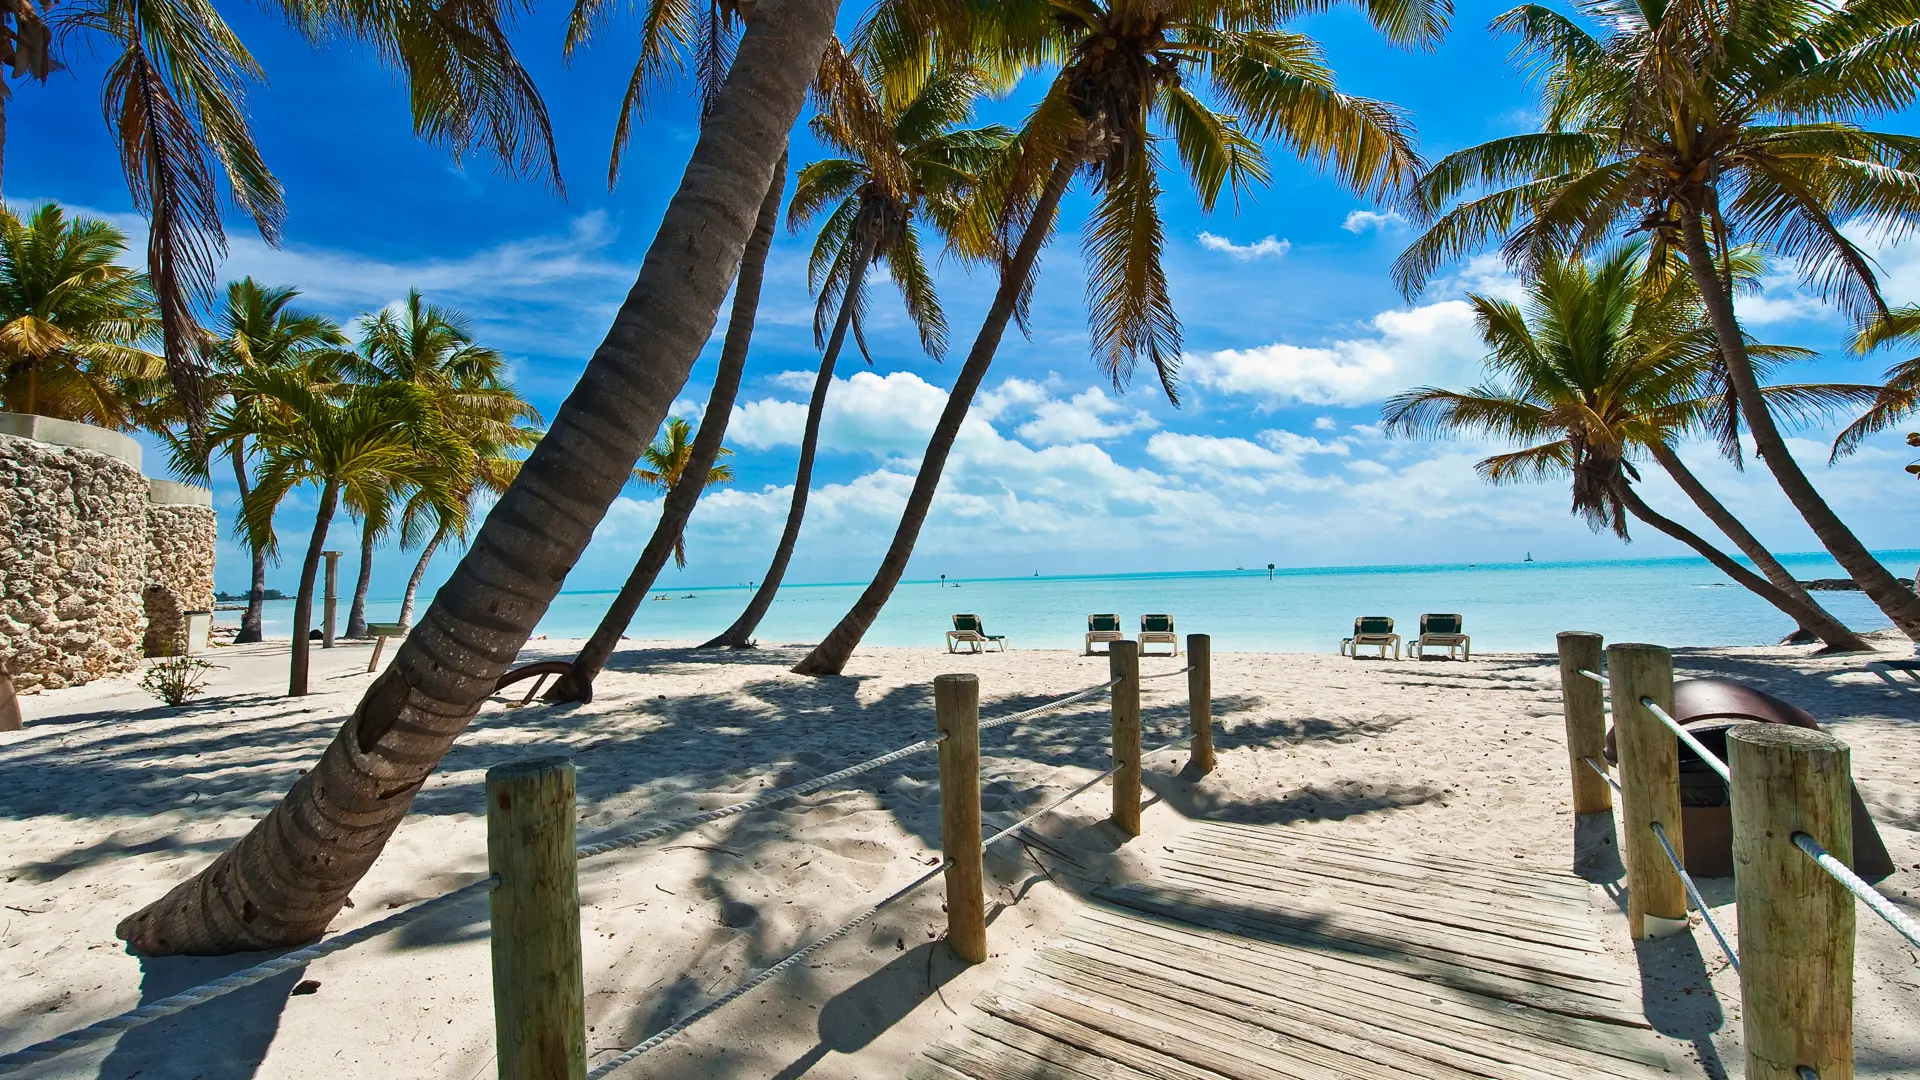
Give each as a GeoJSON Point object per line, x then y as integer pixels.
{"type": "Point", "coordinates": [332, 597]}
{"type": "Point", "coordinates": [1649, 788]}
{"type": "Point", "coordinates": [539, 1013]}
{"type": "Point", "coordinates": [1200, 700]}
{"type": "Point", "coordinates": [1796, 922]}
{"type": "Point", "coordinates": [9, 703]}
{"type": "Point", "coordinates": [1123, 662]}
{"type": "Point", "coordinates": [1584, 703]}
{"type": "Point", "coordinates": [956, 708]}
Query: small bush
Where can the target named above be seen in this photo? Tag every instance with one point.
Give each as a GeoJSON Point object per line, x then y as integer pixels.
{"type": "Point", "coordinates": [177, 679]}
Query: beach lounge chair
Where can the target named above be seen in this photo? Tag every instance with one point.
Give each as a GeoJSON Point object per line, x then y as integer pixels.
{"type": "Point", "coordinates": [1909, 668]}
{"type": "Point", "coordinates": [968, 630]}
{"type": "Point", "coordinates": [1158, 630]}
{"type": "Point", "coordinates": [1442, 632]}
{"type": "Point", "coordinates": [1370, 630]}
{"type": "Point", "coordinates": [1103, 628]}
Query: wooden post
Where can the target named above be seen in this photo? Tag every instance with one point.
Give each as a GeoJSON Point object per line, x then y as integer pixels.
{"type": "Point", "coordinates": [1123, 661]}
{"type": "Point", "coordinates": [333, 597]}
{"type": "Point", "coordinates": [956, 708]}
{"type": "Point", "coordinates": [9, 702]}
{"type": "Point", "coordinates": [1585, 704]}
{"type": "Point", "coordinates": [1649, 788]}
{"type": "Point", "coordinates": [1200, 700]}
{"type": "Point", "coordinates": [539, 1012]}
{"type": "Point", "coordinates": [1796, 922]}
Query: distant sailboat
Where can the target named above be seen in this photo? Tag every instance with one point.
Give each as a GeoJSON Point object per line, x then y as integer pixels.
{"type": "Point", "coordinates": [1529, 557]}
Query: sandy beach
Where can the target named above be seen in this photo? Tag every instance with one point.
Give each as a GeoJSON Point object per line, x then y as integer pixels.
{"type": "Point", "coordinates": [108, 798]}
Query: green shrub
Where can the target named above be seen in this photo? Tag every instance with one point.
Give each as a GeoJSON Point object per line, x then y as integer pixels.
{"type": "Point", "coordinates": [177, 679]}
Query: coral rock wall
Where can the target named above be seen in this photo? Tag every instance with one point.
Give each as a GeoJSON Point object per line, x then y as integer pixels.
{"type": "Point", "coordinates": [179, 575]}
{"type": "Point", "coordinates": [73, 559]}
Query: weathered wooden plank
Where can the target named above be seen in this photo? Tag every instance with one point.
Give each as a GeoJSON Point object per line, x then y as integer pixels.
{"type": "Point", "coordinates": [1354, 988]}
{"type": "Point", "coordinates": [1070, 1060]}
{"type": "Point", "coordinates": [1444, 871]}
{"type": "Point", "coordinates": [1577, 1000]}
{"type": "Point", "coordinates": [976, 1058]}
{"type": "Point", "coordinates": [1146, 1051]}
{"type": "Point", "coordinates": [1281, 838]}
{"type": "Point", "coordinates": [1303, 1007]}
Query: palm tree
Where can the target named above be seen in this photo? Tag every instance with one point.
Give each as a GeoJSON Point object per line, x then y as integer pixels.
{"type": "Point", "coordinates": [72, 320]}
{"type": "Point", "coordinates": [1126, 65]}
{"type": "Point", "coordinates": [667, 465]}
{"type": "Point", "coordinates": [448, 508]}
{"type": "Point", "coordinates": [1899, 395]}
{"type": "Point", "coordinates": [924, 167]}
{"type": "Point", "coordinates": [260, 330]}
{"type": "Point", "coordinates": [1707, 126]}
{"type": "Point", "coordinates": [283, 882]}
{"type": "Point", "coordinates": [433, 349]}
{"type": "Point", "coordinates": [25, 49]}
{"type": "Point", "coordinates": [1602, 364]}
{"type": "Point", "coordinates": [353, 443]}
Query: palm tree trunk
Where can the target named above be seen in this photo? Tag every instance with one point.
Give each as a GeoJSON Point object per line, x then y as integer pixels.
{"type": "Point", "coordinates": [287, 878]}
{"type": "Point", "coordinates": [1827, 628]}
{"type": "Point", "coordinates": [419, 572]}
{"type": "Point", "coordinates": [741, 632]}
{"type": "Point", "coordinates": [250, 629]}
{"type": "Point", "coordinates": [1794, 609]}
{"type": "Point", "coordinates": [357, 611]}
{"type": "Point", "coordinates": [831, 655]}
{"type": "Point", "coordinates": [1899, 602]}
{"type": "Point", "coordinates": [668, 540]}
{"type": "Point", "coordinates": [303, 599]}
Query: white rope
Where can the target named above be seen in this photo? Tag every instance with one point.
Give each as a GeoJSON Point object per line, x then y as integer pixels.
{"type": "Point", "coordinates": [1604, 774]}
{"type": "Point", "coordinates": [1868, 894]}
{"type": "Point", "coordinates": [1594, 675]}
{"type": "Point", "coordinates": [187, 999]}
{"type": "Point", "coordinates": [1165, 674]}
{"type": "Point", "coordinates": [1686, 736]}
{"type": "Point", "coordinates": [735, 994]}
{"type": "Point", "coordinates": [780, 795]}
{"type": "Point", "coordinates": [1064, 799]}
{"type": "Point", "coordinates": [1698, 901]}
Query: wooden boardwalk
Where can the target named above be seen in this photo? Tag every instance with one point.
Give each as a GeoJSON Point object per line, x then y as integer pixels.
{"type": "Point", "coordinates": [1263, 953]}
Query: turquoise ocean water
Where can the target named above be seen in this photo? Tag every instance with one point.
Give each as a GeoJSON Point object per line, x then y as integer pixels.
{"type": "Point", "coordinates": [1508, 606]}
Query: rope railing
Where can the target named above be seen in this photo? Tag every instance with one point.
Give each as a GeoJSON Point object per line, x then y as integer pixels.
{"type": "Point", "coordinates": [1594, 675]}
{"type": "Point", "coordinates": [1713, 761]}
{"type": "Point", "coordinates": [1866, 893]}
{"type": "Point", "coordinates": [1693, 891]}
{"type": "Point", "coordinates": [239, 980]}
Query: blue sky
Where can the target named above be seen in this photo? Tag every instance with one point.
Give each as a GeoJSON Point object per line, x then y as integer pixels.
{"type": "Point", "coordinates": [1294, 336]}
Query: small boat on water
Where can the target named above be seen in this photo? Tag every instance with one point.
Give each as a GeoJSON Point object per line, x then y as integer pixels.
{"type": "Point", "coordinates": [1529, 557]}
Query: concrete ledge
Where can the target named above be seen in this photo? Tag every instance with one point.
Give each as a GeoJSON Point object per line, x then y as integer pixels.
{"type": "Point", "coordinates": [67, 433]}
{"type": "Point", "coordinates": [173, 493]}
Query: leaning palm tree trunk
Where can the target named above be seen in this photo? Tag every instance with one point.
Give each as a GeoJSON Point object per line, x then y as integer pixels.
{"type": "Point", "coordinates": [419, 572]}
{"type": "Point", "coordinates": [357, 611]}
{"type": "Point", "coordinates": [303, 598]}
{"type": "Point", "coordinates": [1899, 602]}
{"type": "Point", "coordinates": [741, 632]}
{"type": "Point", "coordinates": [284, 881]}
{"type": "Point", "coordinates": [1799, 612]}
{"type": "Point", "coordinates": [1828, 629]}
{"type": "Point", "coordinates": [250, 629]}
{"type": "Point", "coordinates": [831, 655]}
{"type": "Point", "coordinates": [677, 507]}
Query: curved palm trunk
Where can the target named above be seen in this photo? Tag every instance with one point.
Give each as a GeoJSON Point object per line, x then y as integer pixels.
{"type": "Point", "coordinates": [303, 599]}
{"type": "Point", "coordinates": [357, 611]}
{"type": "Point", "coordinates": [287, 878]}
{"type": "Point", "coordinates": [1828, 629]}
{"type": "Point", "coordinates": [250, 629]}
{"type": "Point", "coordinates": [1799, 612]}
{"type": "Point", "coordinates": [419, 572]}
{"type": "Point", "coordinates": [1900, 603]}
{"type": "Point", "coordinates": [831, 655]}
{"type": "Point", "coordinates": [669, 534]}
{"type": "Point", "coordinates": [741, 632]}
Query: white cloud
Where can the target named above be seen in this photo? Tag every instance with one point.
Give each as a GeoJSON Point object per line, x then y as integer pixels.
{"type": "Point", "coordinates": [1288, 442]}
{"type": "Point", "coordinates": [1360, 221]}
{"type": "Point", "coordinates": [1324, 423]}
{"type": "Point", "coordinates": [1265, 248]}
{"type": "Point", "coordinates": [884, 415]}
{"type": "Point", "coordinates": [1087, 416]}
{"type": "Point", "coordinates": [1010, 396]}
{"type": "Point", "coordinates": [1435, 344]}
{"type": "Point", "coordinates": [1233, 463]}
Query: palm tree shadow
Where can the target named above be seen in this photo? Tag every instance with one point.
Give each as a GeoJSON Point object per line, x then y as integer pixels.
{"type": "Point", "coordinates": [225, 1039]}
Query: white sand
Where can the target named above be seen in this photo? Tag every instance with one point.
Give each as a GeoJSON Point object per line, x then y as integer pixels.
{"type": "Point", "coordinates": [108, 798]}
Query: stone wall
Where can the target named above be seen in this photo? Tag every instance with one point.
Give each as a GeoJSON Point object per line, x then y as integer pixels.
{"type": "Point", "coordinates": [73, 559]}
{"type": "Point", "coordinates": [181, 533]}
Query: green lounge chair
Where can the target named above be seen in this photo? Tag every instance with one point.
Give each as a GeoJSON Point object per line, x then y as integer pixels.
{"type": "Point", "coordinates": [1158, 630]}
{"type": "Point", "coordinates": [1443, 632]}
{"type": "Point", "coordinates": [1371, 630]}
{"type": "Point", "coordinates": [1103, 628]}
{"type": "Point", "coordinates": [968, 630]}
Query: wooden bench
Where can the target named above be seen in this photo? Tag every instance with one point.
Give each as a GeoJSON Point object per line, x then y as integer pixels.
{"type": "Point", "coordinates": [380, 632]}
